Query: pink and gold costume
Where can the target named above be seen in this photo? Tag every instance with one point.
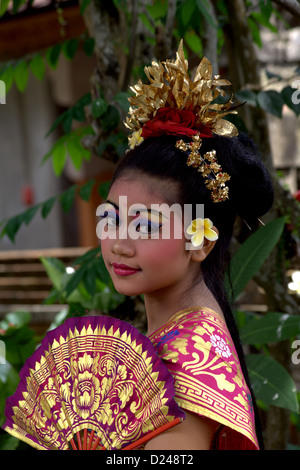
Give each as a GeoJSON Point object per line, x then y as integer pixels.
{"type": "Point", "coordinates": [197, 348]}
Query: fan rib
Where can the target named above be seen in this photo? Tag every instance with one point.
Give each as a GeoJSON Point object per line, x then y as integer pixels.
{"type": "Point", "coordinates": [79, 440]}
{"type": "Point", "coordinates": [91, 440]}
{"type": "Point", "coordinates": [85, 439]}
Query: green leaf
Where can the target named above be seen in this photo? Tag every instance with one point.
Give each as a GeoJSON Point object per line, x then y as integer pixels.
{"type": "Point", "coordinates": [270, 328]}
{"type": "Point", "coordinates": [16, 319]}
{"type": "Point", "coordinates": [158, 9]}
{"type": "Point", "coordinates": [84, 4]}
{"type": "Point", "coordinates": [103, 189]}
{"type": "Point", "coordinates": [187, 10]}
{"type": "Point", "coordinates": [122, 100]}
{"type": "Point", "coordinates": [76, 112]}
{"type": "Point", "coordinates": [193, 41]}
{"type": "Point", "coordinates": [56, 123]}
{"type": "Point", "coordinates": [59, 156]}
{"type": "Point", "coordinates": [75, 279]}
{"type": "Point", "coordinates": [110, 119]}
{"type": "Point", "coordinates": [86, 190]}
{"type": "Point", "coordinates": [47, 206]}
{"type": "Point", "coordinates": [67, 198]}
{"type": "Point", "coordinates": [3, 6]}
{"type": "Point", "coordinates": [37, 66]}
{"type": "Point", "coordinates": [12, 227]}
{"type": "Point", "coordinates": [69, 48]}
{"type": "Point", "coordinates": [55, 270]}
{"type": "Point", "coordinates": [246, 95]}
{"type": "Point", "coordinates": [67, 122]}
{"type": "Point", "coordinates": [7, 76]}
{"type": "Point", "coordinates": [52, 55]}
{"type": "Point", "coordinates": [74, 151]}
{"type": "Point", "coordinates": [17, 4]}
{"type": "Point", "coordinates": [255, 31]}
{"type": "Point", "coordinates": [204, 7]}
{"type": "Point", "coordinates": [271, 382]}
{"type": "Point", "coordinates": [251, 255]}
{"type": "Point", "coordinates": [89, 280]}
{"type": "Point", "coordinates": [21, 75]}
{"type": "Point", "coordinates": [88, 46]}
{"type": "Point", "coordinates": [271, 101]}
{"type": "Point", "coordinates": [266, 8]}
{"type": "Point", "coordinates": [8, 442]}
{"type": "Point", "coordinates": [88, 256]}
{"type": "Point", "coordinates": [30, 213]}
{"type": "Point", "coordinates": [99, 108]}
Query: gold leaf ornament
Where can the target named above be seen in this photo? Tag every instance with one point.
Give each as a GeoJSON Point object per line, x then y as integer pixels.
{"type": "Point", "coordinates": [170, 85]}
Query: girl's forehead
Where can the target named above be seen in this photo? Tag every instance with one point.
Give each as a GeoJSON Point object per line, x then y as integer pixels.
{"type": "Point", "coordinates": [140, 189]}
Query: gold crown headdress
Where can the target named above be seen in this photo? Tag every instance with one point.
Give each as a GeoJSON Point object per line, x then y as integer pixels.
{"type": "Point", "coordinates": [173, 104]}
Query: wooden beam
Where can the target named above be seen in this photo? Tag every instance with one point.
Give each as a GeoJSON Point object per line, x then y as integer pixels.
{"type": "Point", "coordinates": [27, 34]}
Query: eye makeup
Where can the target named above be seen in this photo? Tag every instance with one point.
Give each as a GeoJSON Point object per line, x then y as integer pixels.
{"type": "Point", "coordinates": [146, 221]}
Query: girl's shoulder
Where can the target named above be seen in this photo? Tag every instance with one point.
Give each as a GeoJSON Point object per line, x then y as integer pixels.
{"type": "Point", "coordinates": [191, 320]}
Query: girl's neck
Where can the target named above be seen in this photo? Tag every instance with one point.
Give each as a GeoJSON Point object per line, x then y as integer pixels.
{"type": "Point", "coordinates": [160, 307]}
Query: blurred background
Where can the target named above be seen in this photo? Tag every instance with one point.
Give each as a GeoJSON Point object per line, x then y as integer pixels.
{"type": "Point", "coordinates": [65, 71]}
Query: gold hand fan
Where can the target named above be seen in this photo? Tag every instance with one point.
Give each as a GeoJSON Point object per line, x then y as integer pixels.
{"type": "Point", "coordinates": [94, 383]}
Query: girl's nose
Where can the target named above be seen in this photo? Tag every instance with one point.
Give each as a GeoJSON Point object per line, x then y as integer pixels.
{"type": "Point", "coordinates": [123, 246]}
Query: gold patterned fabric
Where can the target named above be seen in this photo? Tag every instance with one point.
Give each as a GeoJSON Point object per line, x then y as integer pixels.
{"type": "Point", "coordinates": [197, 348]}
{"type": "Point", "coordinates": [97, 374]}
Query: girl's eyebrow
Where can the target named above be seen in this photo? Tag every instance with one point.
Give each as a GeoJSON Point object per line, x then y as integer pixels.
{"type": "Point", "coordinates": [149, 211]}
{"type": "Point", "coordinates": [112, 203]}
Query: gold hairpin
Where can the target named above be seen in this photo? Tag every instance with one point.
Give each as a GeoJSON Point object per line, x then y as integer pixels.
{"type": "Point", "coordinates": [214, 177]}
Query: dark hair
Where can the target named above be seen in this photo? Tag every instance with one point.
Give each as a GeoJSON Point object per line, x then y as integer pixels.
{"type": "Point", "coordinates": [250, 196]}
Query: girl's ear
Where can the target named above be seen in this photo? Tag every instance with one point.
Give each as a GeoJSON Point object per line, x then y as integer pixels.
{"type": "Point", "coordinates": [200, 254]}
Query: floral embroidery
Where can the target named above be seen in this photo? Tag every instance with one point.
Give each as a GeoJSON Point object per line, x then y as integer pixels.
{"type": "Point", "coordinates": [200, 229]}
{"type": "Point", "coordinates": [220, 346]}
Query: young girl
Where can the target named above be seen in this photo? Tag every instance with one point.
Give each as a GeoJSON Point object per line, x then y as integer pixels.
{"type": "Point", "coordinates": [186, 163]}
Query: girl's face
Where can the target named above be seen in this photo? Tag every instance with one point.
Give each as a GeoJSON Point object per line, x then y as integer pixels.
{"type": "Point", "coordinates": [144, 252]}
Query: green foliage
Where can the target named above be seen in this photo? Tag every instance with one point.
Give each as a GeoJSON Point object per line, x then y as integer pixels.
{"type": "Point", "coordinates": [17, 71]}
{"type": "Point", "coordinates": [69, 145]}
{"type": "Point", "coordinates": [271, 327]}
{"type": "Point", "coordinates": [271, 382]}
{"type": "Point", "coordinates": [86, 288]}
{"type": "Point", "coordinates": [20, 343]}
{"type": "Point", "coordinates": [251, 255]}
{"type": "Point", "coordinates": [272, 101]}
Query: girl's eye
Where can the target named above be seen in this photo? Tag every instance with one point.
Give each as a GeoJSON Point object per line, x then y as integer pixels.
{"type": "Point", "coordinates": [148, 227]}
{"type": "Point", "coordinates": [112, 218]}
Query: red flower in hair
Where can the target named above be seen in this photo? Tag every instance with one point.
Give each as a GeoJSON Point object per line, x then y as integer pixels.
{"type": "Point", "coordinates": [173, 121]}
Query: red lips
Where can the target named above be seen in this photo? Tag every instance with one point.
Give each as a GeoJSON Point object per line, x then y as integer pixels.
{"type": "Point", "coordinates": [124, 270]}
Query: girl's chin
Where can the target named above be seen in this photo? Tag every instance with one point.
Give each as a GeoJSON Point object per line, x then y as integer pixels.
{"type": "Point", "coordinates": [128, 291]}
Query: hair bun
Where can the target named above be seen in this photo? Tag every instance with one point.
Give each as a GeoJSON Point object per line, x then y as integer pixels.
{"type": "Point", "coordinates": [250, 187]}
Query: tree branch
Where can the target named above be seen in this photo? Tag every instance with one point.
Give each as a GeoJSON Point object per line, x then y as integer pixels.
{"type": "Point", "coordinates": [132, 45]}
{"type": "Point", "coordinates": [292, 6]}
{"type": "Point", "coordinates": [210, 39]}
